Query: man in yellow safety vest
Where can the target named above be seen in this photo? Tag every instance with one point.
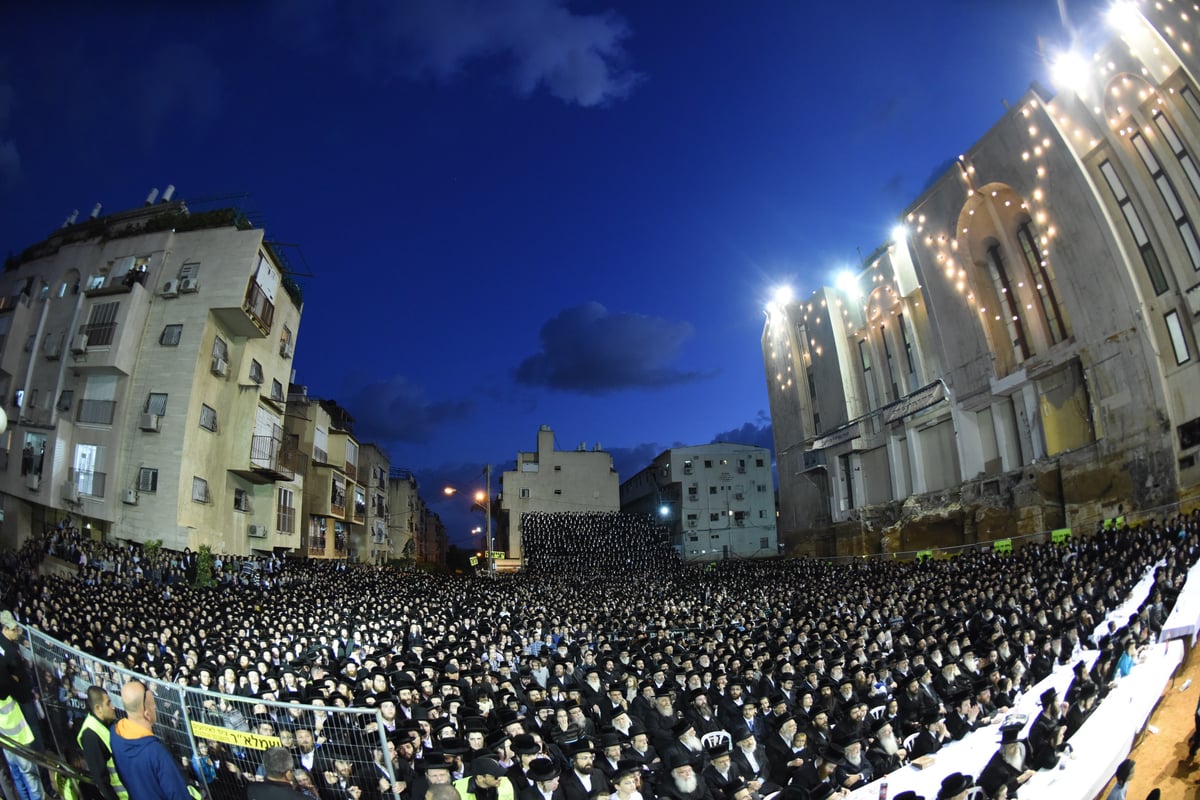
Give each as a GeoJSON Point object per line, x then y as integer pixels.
{"type": "Point", "coordinates": [13, 724]}
{"type": "Point", "coordinates": [97, 750]}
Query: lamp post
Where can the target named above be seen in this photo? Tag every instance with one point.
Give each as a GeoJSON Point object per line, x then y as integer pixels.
{"type": "Point", "coordinates": [483, 499]}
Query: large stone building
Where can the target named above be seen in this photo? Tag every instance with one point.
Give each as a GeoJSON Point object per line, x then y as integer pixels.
{"type": "Point", "coordinates": [143, 360]}
{"type": "Point", "coordinates": [552, 481]}
{"type": "Point", "coordinates": [717, 501]}
{"type": "Point", "coordinates": [1027, 339]}
{"type": "Point", "coordinates": [415, 532]}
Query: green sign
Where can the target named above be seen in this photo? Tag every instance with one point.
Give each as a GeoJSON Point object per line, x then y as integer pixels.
{"type": "Point", "coordinates": [924, 554]}
{"type": "Point", "coordinates": [474, 561]}
{"type": "Point", "coordinates": [1060, 535]}
{"type": "Point", "coordinates": [497, 554]}
{"type": "Point", "coordinates": [1002, 545]}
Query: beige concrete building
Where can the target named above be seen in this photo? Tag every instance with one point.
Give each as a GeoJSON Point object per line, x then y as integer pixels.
{"type": "Point", "coordinates": [1026, 341]}
{"type": "Point", "coordinates": [335, 506]}
{"type": "Point", "coordinates": [373, 469]}
{"type": "Point", "coordinates": [716, 501]}
{"type": "Point", "coordinates": [550, 481]}
{"type": "Point", "coordinates": [143, 360]}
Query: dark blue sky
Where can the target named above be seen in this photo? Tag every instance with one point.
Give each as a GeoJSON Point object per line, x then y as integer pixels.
{"type": "Point", "coordinates": [520, 212]}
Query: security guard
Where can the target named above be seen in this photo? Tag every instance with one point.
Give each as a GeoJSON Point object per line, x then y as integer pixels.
{"type": "Point", "coordinates": [93, 741]}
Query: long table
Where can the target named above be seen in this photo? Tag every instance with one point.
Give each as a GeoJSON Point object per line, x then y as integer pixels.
{"type": "Point", "coordinates": [1184, 619]}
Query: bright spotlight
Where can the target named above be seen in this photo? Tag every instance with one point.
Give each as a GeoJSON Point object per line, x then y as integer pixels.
{"type": "Point", "coordinates": [782, 296]}
{"type": "Point", "coordinates": [664, 510]}
{"type": "Point", "coordinates": [1069, 70]}
{"type": "Point", "coordinates": [1123, 16]}
{"type": "Point", "coordinates": [848, 284]}
{"type": "Point", "coordinates": [899, 234]}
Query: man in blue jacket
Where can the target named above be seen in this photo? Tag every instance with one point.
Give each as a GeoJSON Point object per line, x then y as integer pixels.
{"type": "Point", "coordinates": [146, 767]}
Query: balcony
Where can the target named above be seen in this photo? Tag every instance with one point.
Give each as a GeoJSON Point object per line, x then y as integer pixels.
{"type": "Point", "coordinates": [96, 412]}
{"type": "Point", "coordinates": [320, 456]}
{"type": "Point", "coordinates": [360, 512]}
{"type": "Point", "coordinates": [351, 471]}
{"type": "Point", "coordinates": [270, 460]}
{"type": "Point", "coordinates": [252, 318]}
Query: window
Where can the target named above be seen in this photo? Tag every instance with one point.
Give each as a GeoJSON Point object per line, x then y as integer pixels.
{"type": "Point", "coordinates": [101, 324]}
{"type": "Point", "coordinates": [762, 514]}
{"type": "Point", "coordinates": [241, 500]}
{"type": "Point", "coordinates": [285, 514]}
{"type": "Point", "coordinates": [1170, 197]}
{"type": "Point", "coordinates": [1190, 99]}
{"type": "Point", "coordinates": [33, 399]}
{"type": "Point", "coordinates": [712, 490]}
{"type": "Point", "coordinates": [200, 490]}
{"type": "Point", "coordinates": [208, 418]}
{"type": "Point", "coordinates": [758, 462]}
{"type": "Point", "coordinates": [256, 371]}
{"type": "Point", "coordinates": [1007, 295]}
{"type": "Point", "coordinates": [708, 463]}
{"type": "Point", "coordinates": [724, 462]}
{"type": "Point", "coordinates": [557, 468]}
{"type": "Point", "coordinates": [220, 349]}
{"type": "Point", "coordinates": [156, 403]}
{"type": "Point", "coordinates": [170, 335]}
{"type": "Point", "coordinates": [1047, 289]}
{"type": "Point", "coordinates": [317, 527]}
{"type": "Point", "coordinates": [762, 487]}
{"type": "Point", "coordinates": [96, 281]}
{"type": "Point", "coordinates": [1180, 151]}
{"type": "Point", "coordinates": [1149, 258]}
{"type": "Point", "coordinates": [285, 342]}
{"type": "Point", "coordinates": [558, 491]}
{"type": "Point", "coordinates": [276, 390]}
{"type": "Point", "coordinates": [864, 359]}
{"type": "Point", "coordinates": [764, 543]}
{"type": "Point", "coordinates": [692, 517]}
{"type": "Point", "coordinates": [147, 480]}
{"type": "Point", "coordinates": [1178, 341]}
{"type": "Point", "coordinates": [525, 493]}
{"type": "Point", "coordinates": [891, 367]}
{"type": "Point", "coordinates": [714, 516]}
{"type": "Point", "coordinates": [66, 400]}
{"type": "Point", "coordinates": [908, 354]}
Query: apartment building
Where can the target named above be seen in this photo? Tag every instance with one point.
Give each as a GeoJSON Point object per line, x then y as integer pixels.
{"type": "Point", "coordinates": [334, 503]}
{"type": "Point", "coordinates": [1026, 341]}
{"type": "Point", "coordinates": [716, 501]}
{"type": "Point", "coordinates": [549, 481]}
{"type": "Point", "coordinates": [143, 356]}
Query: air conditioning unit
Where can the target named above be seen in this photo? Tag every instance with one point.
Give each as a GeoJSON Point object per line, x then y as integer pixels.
{"type": "Point", "coordinates": [79, 344]}
{"type": "Point", "coordinates": [70, 492]}
{"type": "Point", "coordinates": [220, 367]}
{"type": "Point", "coordinates": [742, 470]}
{"type": "Point", "coordinates": [256, 375]}
{"type": "Point", "coordinates": [170, 289]}
{"type": "Point", "coordinates": [739, 496]}
{"type": "Point", "coordinates": [188, 285]}
{"type": "Point", "coordinates": [150, 422]}
{"type": "Point", "coordinates": [33, 481]}
{"type": "Point", "coordinates": [130, 498]}
{"type": "Point", "coordinates": [691, 523]}
{"type": "Point", "coordinates": [257, 531]}
{"type": "Point", "coordinates": [52, 348]}
{"type": "Point", "coordinates": [285, 349]}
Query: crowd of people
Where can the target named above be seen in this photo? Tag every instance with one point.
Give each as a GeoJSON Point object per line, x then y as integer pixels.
{"type": "Point", "coordinates": [580, 543]}
{"type": "Point", "coordinates": [632, 679]}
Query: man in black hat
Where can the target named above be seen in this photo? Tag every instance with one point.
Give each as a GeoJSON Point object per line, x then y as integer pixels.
{"type": "Point", "coordinates": [931, 736]}
{"type": "Point", "coordinates": [1008, 763]}
{"type": "Point", "coordinates": [583, 781]}
{"type": "Point", "coordinates": [886, 753]}
{"type": "Point", "coordinates": [853, 768]}
{"type": "Point", "coordinates": [681, 781]}
{"type": "Point", "coordinates": [781, 758]}
{"type": "Point", "coordinates": [722, 772]}
{"type": "Point", "coordinates": [963, 716]}
{"type": "Point", "coordinates": [1046, 736]}
{"type": "Point", "coordinates": [955, 786]}
{"type": "Point", "coordinates": [544, 779]}
{"type": "Point", "coordinates": [1081, 709]}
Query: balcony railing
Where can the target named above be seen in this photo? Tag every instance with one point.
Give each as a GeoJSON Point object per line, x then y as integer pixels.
{"type": "Point", "coordinates": [89, 482]}
{"type": "Point", "coordinates": [258, 306]}
{"type": "Point", "coordinates": [268, 453]}
{"type": "Point", "coordinates": [99, 334]}
{"type": "Point", "coordinates": [96, 412]}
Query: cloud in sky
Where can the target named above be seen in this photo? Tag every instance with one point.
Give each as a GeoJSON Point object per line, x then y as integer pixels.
{"type": "Point", "coordinates": [587, 349]}
{"type": "Point", "coordinates": [398, 411]}
{"type": "Point", "coordinates": [577, 58]}
{"type": "Point", "coordinates": [758, 433]}
{"type": "Point", "coordinates": [10, 159]}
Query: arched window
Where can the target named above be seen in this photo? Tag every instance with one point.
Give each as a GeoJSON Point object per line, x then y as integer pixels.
{"type": "Point", "coordinates": [1056, 319]}
{"type": "Point", "coordinates": [1005, 290]}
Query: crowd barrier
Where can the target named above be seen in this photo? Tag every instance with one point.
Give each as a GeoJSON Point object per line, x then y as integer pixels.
{"type": "Point", "coordinates": [217, 740]}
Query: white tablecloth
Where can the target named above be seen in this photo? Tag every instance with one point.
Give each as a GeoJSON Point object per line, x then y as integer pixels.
{"type": "Point", "coordinates": [1184, 619]}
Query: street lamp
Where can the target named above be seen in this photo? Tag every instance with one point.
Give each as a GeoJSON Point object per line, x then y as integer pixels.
{"type": "Point", "coordinates": [484, 500]}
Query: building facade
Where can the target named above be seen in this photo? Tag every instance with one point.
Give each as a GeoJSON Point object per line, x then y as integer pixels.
{"type": "Point", "coordinates": [143, 359]}
{"type": "Point", "coordinates": [1026, 341]}
{"type": "Point", "coordinates": [549, 480]}
{"type": "Point", "coordinates": [334, 502]}
{"type": "Point", "coordinates": [717, 501]}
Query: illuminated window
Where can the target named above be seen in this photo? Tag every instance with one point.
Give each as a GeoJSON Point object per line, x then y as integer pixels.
{"type": "Point", "coordinates": [1044, 282]}
{"type": "Point", "coordinates": [1167, 191]}
{"type": "Point", "coordinates": [1178, 340]}
{"type": "Point", "coordinates": [1006, 292]}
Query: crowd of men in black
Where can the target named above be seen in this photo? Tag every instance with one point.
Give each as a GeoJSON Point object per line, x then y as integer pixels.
{"type": "Point", "coordinates": [617, 682]}
{"type": "Point", "coordinates": [588, 542]}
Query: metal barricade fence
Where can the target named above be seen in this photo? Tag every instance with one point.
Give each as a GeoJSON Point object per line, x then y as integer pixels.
{"type": "Point", "coordinates": [218, 740]}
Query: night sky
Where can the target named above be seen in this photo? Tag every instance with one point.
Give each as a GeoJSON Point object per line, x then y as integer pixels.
{"type": "Point", "coordinates": [521, 212]}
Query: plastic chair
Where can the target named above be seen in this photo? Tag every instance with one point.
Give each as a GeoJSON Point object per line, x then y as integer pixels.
{"type": "Point", "coordinates": [716, 737]}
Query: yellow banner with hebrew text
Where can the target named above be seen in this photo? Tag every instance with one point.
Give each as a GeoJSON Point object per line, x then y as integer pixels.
{"type": "Point", "coordinates": [254, 741]}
